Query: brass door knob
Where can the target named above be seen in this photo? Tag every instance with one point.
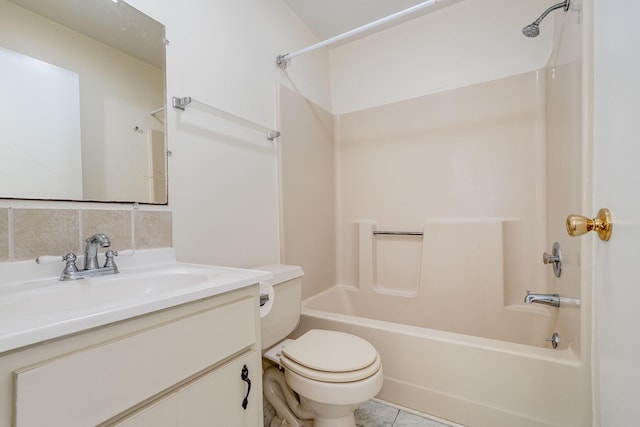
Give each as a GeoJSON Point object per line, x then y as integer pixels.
{"type": "Point", "coordinates": [577, 225]}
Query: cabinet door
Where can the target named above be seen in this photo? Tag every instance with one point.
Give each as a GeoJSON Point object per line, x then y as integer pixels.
{"type": "Point", "coordinates": [102, 381]}
{"type": "Point", "coordinates": [214, 399]}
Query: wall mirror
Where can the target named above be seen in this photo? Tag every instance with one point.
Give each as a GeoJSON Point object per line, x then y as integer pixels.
{"type": "Point", "coordinates": [83, 102]}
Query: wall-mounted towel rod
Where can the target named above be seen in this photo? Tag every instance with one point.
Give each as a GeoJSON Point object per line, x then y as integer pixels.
{"type": "Point", "coordinates": [181, 103]}
{"type": "Point", "coordinates": [398, 233]}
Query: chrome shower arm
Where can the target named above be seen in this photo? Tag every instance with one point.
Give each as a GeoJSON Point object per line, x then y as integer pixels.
{"type": "Point", "coordinates": [564, 4]}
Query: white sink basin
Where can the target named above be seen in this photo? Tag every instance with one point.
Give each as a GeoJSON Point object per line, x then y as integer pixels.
{"type": "Point", "coordinates": [44, 298]}
{"type": "Point", "coordinates": [38, 310]}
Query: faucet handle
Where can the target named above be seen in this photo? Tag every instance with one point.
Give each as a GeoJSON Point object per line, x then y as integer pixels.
{"type": "Point", "coordinates": [111, 254]}
{"type": "Point", "coordinates": [555, 258]}
{"type": "Point", "coordinates": [49, 259]}
{"type": "Point", "coordinates": [70, 259]}
{"type": "Point", "coordinates": [109, 262]}
{"type": "Point", "coordinates": [70, 270]}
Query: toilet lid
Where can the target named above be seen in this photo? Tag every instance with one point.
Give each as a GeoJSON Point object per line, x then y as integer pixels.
{"type": "Point", "coordinates": [331, 351]}
{"type": "Point", "coordinates": [330, 377]}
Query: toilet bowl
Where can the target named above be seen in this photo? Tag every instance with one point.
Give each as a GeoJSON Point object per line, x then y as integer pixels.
{"type": "Point", "coordinates": [333, 373]}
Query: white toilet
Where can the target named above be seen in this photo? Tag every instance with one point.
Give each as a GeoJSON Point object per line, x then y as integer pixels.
{"type": "Point", "coordinates": [332, 372]}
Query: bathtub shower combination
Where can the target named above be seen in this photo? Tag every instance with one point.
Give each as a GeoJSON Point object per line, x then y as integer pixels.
{"type": "Point", "coordinates": [442, 207]}
{"type": "Point", "coordinates": [443, 301]}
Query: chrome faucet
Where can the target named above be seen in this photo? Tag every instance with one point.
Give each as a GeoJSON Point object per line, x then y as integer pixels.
{"type": "Point", "coordinates": [546, 299]}
{"type": "Point", "coordinates": [91, 267]}
{"type": "Point", "coordinates": [91, 250]}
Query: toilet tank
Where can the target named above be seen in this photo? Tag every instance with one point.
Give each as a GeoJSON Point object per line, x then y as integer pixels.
{"type": "Point", "coordinates": [284, 315]}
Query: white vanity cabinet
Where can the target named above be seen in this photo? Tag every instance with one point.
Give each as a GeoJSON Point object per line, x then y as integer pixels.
{"type": "Point", "coordinates": [181, 366]}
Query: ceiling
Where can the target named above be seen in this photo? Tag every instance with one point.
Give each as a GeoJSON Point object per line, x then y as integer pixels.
{"type": "Point", "coordinates": [328, 18]}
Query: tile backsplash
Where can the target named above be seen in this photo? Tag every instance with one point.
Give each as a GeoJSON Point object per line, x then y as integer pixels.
{"type": "Point", "coordinates": [43, 231]}
{"type": "Point", "coordinates": [147, 226]}
{"type": "Point", "coordinates": [27, 233]}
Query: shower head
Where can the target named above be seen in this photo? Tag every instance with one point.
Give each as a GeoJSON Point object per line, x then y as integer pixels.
{"type": "Point", "coordinates": [533, 29]}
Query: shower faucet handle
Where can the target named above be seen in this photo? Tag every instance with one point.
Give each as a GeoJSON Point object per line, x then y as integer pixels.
{"type": "Point", "coordinates": [555, 258]}
{"type": "Point", "coordinates": [548, 258]}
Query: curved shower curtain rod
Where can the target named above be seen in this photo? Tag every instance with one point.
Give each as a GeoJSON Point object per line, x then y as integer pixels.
{"type": "Point", "coordinates": [283, 60]}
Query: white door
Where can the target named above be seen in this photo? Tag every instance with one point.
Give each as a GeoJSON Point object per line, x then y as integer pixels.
{"type": "Point", "coordinates": [617, 187]}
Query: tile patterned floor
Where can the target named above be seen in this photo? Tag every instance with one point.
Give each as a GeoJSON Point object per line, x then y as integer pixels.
{"type": "Point", "coordinates": [376, 414]}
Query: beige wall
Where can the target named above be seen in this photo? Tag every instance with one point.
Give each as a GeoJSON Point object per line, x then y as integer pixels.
{"type": "Point", "coordinates": [308, 196]}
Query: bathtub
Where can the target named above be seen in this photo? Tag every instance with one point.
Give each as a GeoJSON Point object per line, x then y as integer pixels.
{"type": "Point", "coordinates": [460, 372]}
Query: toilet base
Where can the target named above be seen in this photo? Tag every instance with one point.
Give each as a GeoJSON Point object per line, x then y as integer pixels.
{"type": "Point", "coordinates": [333, 404]}
{"type": "Point", "coordinates": [331, 415]}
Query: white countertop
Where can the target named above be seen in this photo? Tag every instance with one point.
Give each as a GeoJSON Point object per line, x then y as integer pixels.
{"type": "Point", "coordinates": [35, 306]}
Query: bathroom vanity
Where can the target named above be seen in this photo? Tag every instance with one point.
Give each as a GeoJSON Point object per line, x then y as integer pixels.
{"type": "Point", "coordinates": [194, 362]}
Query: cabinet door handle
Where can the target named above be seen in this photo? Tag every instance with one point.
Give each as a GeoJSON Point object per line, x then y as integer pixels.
{"type": "Point", "coordinates": [245, 377]}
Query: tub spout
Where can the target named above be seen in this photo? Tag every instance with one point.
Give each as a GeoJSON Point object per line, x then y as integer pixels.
{"type": "Point", "coordinates": [546, 299]}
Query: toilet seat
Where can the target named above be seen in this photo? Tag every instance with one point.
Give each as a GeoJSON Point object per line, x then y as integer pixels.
{"type": "Point", "coordinates": [331, 356]}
